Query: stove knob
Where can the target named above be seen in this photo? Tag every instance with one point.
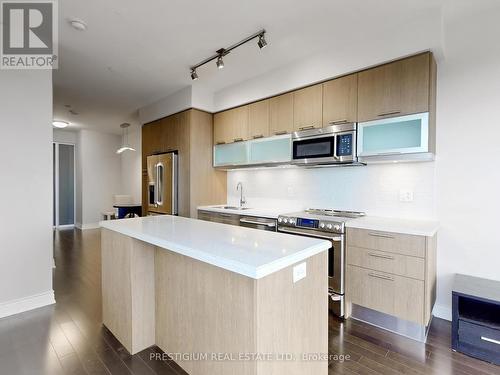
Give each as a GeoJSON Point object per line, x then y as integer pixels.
{"type": "Point", "coordinates": [329, 227]}
{"type": "Point", "coordinates": [280, 220]}
{"type": "Point", "coordinates": [322, 225]}
{"type": "Point", "coordinates": [292, 221]}
{"type": "Point", "coordinates": [337, 227]}
{"type": "Point", "coordinates": [285, 220]}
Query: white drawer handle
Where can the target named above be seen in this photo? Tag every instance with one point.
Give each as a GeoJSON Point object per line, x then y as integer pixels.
{"type": "Point", "coordinates": [380, 235]}
{"type": "Point", "coordinates": [381, 276]}
{"type": "Point", "coordinates": [380, 256]}
{"type": "Point", "coordinates": [490, 340]}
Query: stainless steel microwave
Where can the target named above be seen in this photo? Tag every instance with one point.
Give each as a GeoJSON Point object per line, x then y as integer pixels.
{"type": "Point", "coordinates": [334, 144]}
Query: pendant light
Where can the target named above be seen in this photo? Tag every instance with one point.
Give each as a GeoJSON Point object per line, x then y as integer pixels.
{"type": "Point", "coordinates": [125, 145]}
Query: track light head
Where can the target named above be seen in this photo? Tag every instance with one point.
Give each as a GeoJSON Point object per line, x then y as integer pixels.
{"type": "Point", "coordinates": [220, 62]}
{"type": "Point", "coordinates": [194, 75]}
{"type": "Point", "coordinates": [262, 41]}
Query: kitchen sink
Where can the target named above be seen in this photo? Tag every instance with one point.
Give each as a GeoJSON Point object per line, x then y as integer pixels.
{"type": "Point", "coordinates": [234, 208]}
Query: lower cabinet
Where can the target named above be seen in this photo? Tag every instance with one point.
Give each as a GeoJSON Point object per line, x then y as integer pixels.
{"type": "Point", "coordinates": [388, 293]}
{"type": "Point", "coordinates": [219, 217]}
{"type": "Point", "coordinates": [391, 273]}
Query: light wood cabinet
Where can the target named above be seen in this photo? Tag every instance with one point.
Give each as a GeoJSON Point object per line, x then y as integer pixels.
{"type": "Point", "coordinates": [383, 261]}
{"type": "Point", "coordinates": [398, 88]}
{"type": "Point", "coordinates": [340, 100]}
{"type": "Point", "coordinates": [258, 119]}
{"type": "Point", "coordinates": [231, 125]}
{"type": "Point", "coordinates": [190, 133]}
{"type": "Point", "coordinates": [391, 294]}
{"type": "Point", "coordinates": [308, 108]}
{"type": "Point", "coordinates": [281, 114]}
{"type": "Point", "coordinates": [404, 244]}
{"type": "Point", "coordinates": [392, 273]}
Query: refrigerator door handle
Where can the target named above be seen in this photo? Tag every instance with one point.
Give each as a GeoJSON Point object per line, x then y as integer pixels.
{"type": "Point", "coordinates": [159, 181]}
{"type": "Point", "coordinates": [174, 185]}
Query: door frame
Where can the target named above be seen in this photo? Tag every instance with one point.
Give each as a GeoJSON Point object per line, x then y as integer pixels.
{"type": "Point", "coordinates": [55, 205]}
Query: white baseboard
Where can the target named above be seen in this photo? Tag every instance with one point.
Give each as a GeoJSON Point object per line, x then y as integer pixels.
{"type": "Point", "coordinates": [87, 226]}
{"type": "Point", "coordinates": [441, 311]}
{"type": "Point", "coordinates": [27, 303]}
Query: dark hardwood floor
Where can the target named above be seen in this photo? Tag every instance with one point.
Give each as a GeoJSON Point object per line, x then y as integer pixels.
{"type": "Point", "coordinates": [68, 338]}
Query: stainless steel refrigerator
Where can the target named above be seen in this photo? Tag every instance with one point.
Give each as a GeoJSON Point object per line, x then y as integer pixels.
{"type": "Point", "coordinates": [163, 184]}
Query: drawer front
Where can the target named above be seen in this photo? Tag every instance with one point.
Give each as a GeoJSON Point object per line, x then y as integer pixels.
{"type": "Point", "coordinates": [202, 215]}
{"type": "Point", "coordinates": [376, 260]}
{"type": "Point", "coordinates": [404, 244]}
{"type": "Point", "coordinates": [218, 217]}
{"type": "Point", "coordinates": [479, 336]}
{"type": "Point", "coordinates": [391, 294]}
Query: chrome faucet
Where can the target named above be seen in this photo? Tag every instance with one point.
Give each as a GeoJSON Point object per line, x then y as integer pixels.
{"type": "Point", "coordinates": [242, 198]}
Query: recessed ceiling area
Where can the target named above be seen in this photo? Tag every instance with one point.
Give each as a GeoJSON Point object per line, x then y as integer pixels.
{"type": "Point", "coordinates": [134, 53]}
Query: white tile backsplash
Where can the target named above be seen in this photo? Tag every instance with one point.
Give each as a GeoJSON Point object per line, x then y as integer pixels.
{"type": "Point", "coordinates": [374, 189]}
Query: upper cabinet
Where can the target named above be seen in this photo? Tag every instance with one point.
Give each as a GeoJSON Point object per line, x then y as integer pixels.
{"type": "Point", "coordinates": [231, 125]}
{"type": "Point", "coordinates": [340, 100]}
{"type": "Point", "coordinates": [394, 105]}
{"type": "Point", "coordinates": [308, 108]}
{"type": "Point", "coordinates": [258, 119]}
{"type": "Point", "coordinates": [281, 114]}
{"type": "Point", "coordinates": [398, 88]}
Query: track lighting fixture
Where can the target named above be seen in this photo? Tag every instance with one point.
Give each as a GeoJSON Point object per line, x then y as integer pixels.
{"type": "Point", "coordinates": [224, 51]}
{"type": "Point", "coordinates": [220, 62]}
{"type": "Point", "coordinates": [262, 41]}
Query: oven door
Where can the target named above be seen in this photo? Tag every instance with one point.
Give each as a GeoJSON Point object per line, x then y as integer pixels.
{"type": "Point", "coordinates": [316, 149]}
{"type": "Point", "coordinates": [336, 266]}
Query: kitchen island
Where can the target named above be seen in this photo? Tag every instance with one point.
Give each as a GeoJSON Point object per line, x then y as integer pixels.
{"type": "Point", "coordinates": [219, 299]}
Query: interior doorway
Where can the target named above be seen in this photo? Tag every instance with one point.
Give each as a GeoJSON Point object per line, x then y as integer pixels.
{"type": "Point", "coordinates": [64, 185]}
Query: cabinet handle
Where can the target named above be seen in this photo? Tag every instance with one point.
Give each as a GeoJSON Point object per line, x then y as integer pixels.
{"type": "Point", "coordinates": [389, 113]}
{"type": "Point", "coordinates": [380, 235]}
{"type": "Point", "coordinates": [338, 122]}
{"type": "Point", "coordinates": [226, 215]}
{"type": "Point", "coordinates": [384, 277]}
{"type": "Point", "coordinates": [238, 139]}
{"type": "Point", "coordinates": [306, 127]}
{"type": "Point", "coordinates": [280, 132]}
{"type": "Point", "coordinates": [490, 340]}
{"type": "Point", "coordinates": [257, 136]}
{"type": "Point", "coordinates": [220, 143]}
{"type": "Point", "coordinates": [381, 256]}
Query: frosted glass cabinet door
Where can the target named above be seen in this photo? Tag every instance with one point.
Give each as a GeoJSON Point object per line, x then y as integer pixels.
{"type": "Point", "coordinates": [398, 135]}
{"type": "Point", "coordinates": [271, 150]}
{"type": "Point", "coordinates": [230, 154]}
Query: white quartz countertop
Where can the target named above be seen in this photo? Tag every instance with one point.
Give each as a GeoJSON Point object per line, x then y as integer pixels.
{"type": "Point", "coordinates": [257, 212]}
{"type": "Point", "coordinates": [405, 226]}
{"type": "Point", "coordinates": [249, 252]}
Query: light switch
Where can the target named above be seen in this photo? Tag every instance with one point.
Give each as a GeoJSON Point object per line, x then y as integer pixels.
{"type": "Point", "coordinates": [299, 272]}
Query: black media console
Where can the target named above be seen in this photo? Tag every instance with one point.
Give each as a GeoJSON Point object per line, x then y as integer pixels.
{"type": "Point", "coordinates": [476, 318]}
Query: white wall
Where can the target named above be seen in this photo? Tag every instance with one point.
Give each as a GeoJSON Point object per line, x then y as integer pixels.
{"type": "Point", "coordinates": [176, 102]}
{"type": "Point", "coordinates": [131, 167]}
{"type": "Point", "coordinates": [98, 176]}
{"type": "Point", "coordinates": [25, 190]}
{"type": "Point", "coordinates": [468, 133]}
{"type": "Point", "coordinates": [65, 136]}
{"type": "Point", "coordinates": [460, 189]}
{"type": "Point", "coordinates": [373, 189]}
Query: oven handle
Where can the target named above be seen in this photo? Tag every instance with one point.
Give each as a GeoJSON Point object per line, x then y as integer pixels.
{"type": "Point", "coordinates": [291, 231]}
{"type": "Point", "coordinates": [267, 224]}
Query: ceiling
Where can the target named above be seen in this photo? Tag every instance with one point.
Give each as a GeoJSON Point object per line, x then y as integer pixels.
{"type": "Point", "coordinates": [136, 52]}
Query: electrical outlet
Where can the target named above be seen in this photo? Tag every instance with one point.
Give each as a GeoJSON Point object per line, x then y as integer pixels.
{"type": "Point", "coordinates": [299, 272]}
{"type": "Point", "coordinates": [406, 196]}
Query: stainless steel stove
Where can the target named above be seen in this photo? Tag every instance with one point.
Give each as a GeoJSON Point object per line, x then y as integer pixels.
{"type": "Point", "coordinates": [330, 225]}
